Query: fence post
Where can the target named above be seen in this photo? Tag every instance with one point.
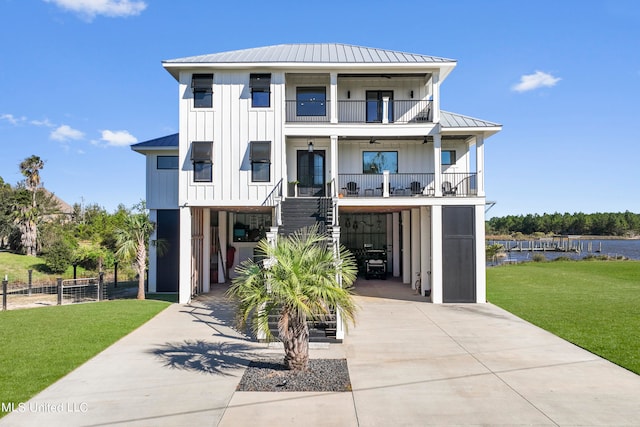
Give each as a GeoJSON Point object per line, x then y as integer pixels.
{"type": "Point", "coordinates": [100, 285]}
{"type": "Point", "coordinates": [146, 280]}
{"type": "Point", "coordinates": [115, 274]}
{"type": "Point", "coordinates": [59, 290]}
{"type": "Point", "coordinates": [75, 266]}
{"type": "Point", "coordinates": [5, 282]}
{"type": "Point", "coordinates": [30, 280]}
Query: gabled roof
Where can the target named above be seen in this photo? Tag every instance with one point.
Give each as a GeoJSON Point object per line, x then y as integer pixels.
{"type": "Point", "coordinates": [169, 142]}
{"type": "Point", "coordinates": [312, 53]}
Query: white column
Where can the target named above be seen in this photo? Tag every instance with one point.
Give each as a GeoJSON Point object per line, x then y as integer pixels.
{"type": "Point", "coordinates": [206, 249]}
{"type": "Point", "coordinates": [436, 98]}
{"type": "Point", "coordinates": [385, 109]}
{"type": "Point", "coordinates": [415, 246]}
{"type": "Point", "coordinates": [334, 165]}
{"type": "Point", "coordinates": [425, 249]}
{"type": "Point", "coordinates": [185, 255]}
{"type": "Point", "coordinates": [335, 240]}
{"type": "Point", "coordinates": [480, 165]}
{"type": "Point", "coordinates": [223, 232]}
{"type": "Point", "coordinates": [437, 164]}
{"type": "Point", "coordinates": [395, 244]}
{"type": "Point", "coordinates": [153, 252]}
{"type": "Point", "coordinates": [436, 254]}
{"type": "Point", "coordinates": [334, 97]}
{"type": "Point", "coordinates": [406, 247]}
{"type": "Point", "coordinates": [385, 183]}
{"type": "Point", "coordinates": [481, 268]}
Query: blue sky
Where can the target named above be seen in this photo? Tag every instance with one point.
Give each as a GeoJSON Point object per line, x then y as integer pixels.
{"type": "Point", "coordinates": [80, 80]}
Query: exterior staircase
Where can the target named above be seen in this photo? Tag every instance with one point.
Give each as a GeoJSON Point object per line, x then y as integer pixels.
{"type": "Point", "coordinates": [306, 212]}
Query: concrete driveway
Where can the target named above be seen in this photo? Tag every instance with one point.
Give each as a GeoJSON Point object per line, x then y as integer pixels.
{"type": "Point", "coordinates": [410, 362]}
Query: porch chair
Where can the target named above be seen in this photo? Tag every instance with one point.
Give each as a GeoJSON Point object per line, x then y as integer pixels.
{"type": "Point", "coordinates": [415, 187]}
{"type": "Point", "coordinates": [448, 189]}
{"type": "Point", "coordinates": [352, 189]}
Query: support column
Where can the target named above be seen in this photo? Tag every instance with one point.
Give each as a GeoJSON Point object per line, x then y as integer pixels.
{"type": "Point", "coordinates": [184, 295]}
{"type": "Point", "coordinates": [406, 247]}
{"type": "Point", "coordinates": [481, 267]}
{"type": "Point", "coordinates": [223, 232]}
{"type": "Point", "coordinates": [480, 165]}
{"type": "Point", "coordinates": [333, 173]}
{"type": "Point", "coordinates": [425, 250]}
{"type": "Point", "coordinates": [437, 166]}
{"type": "Point", "coordinates": [436, 254]}
{"type": "Point", "coordinates": [153, 253]}
{"type": "Point", "coordinates": [206, 250]}
{"type": "Point", "coordinates": [415, 246]}
{"type": "Point", "coordinates": [436, 98]}
{"type": "Point", "coordinates": [333, 97]}
{"type": "Point", "coordinates": [395, 243]}
{"type": "Point", "coordinates": [335, 241]}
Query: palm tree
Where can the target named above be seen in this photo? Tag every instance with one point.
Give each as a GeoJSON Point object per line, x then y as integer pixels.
{"type": "Point", "coordinates": [131, 243]}
{"type": "Point", "coordinates": [298, 279]}
{"type": "Point", "coordinates": [30, 168]}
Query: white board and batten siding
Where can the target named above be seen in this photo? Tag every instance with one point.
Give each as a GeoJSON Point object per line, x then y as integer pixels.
{"type": "Point", "coordinates": [231, 124]}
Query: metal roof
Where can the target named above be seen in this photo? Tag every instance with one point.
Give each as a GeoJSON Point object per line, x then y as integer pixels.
{"type": "Point", "coordinates": [312, 53]}
{"type": "Point", "coordinates": [163, 143]}
{"type": "Point", "coordinates": [452, 120]}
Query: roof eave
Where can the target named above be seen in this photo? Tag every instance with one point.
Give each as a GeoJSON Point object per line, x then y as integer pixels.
{"type": "Point", "coordinates": [145, 150]}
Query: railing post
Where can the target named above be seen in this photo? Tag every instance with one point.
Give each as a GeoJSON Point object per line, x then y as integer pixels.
{"type": "Point", "coordinates": [75, 266]}
{"type": "Point", "coordinates": [30, 280]}
{"type": "Point", "coordinates": [59, 290]}
{"type": "Point", "coordinates": [5, 282]}
{"type": "Point", "coordinates": [385, 183]}
{"type": "Point", "coordinates": [115, 274]}
{"type": "Point", "coordinates": [385, 109]}
{"type": "Point", "coordinates": [100, 285]}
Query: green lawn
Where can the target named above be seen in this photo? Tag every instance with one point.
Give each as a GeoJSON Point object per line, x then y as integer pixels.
{"type": "Point", "coordinates": [16, 267]}
{"type": "Point", "coordinates": [41, 345]}
{"type": "Point", "coordinates": [593, 304]}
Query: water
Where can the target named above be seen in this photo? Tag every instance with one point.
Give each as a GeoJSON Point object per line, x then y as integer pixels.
{"type": "Point", "coordinates": [613, 248]}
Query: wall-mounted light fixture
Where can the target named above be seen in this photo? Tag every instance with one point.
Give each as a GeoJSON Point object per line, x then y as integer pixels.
{"type": "Point", "coordinates": [411, 94]}
{"type": "Point", "coordinates": [348, 94]}
{"type": "Point", "coordinates": [310, 146]}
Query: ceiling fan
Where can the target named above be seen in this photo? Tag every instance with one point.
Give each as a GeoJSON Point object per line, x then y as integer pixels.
{"type": "Point", "coordinates": [373, 141]}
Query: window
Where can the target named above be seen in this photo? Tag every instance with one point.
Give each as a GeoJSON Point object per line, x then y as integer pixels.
{"type": "Point", "coordinates": [167, 162]}
{"type": "Point", "coordinates": [311, 101]}
{"type": "Point", "coordinates": [202, 85]}
{"type": "Point", "coordinates": [260, 161]}
{"type": "Point", "coordinates": [378, 161]}
{"type": "Point", "coordinates": [251, 227]}
{"type": "Point", "coordinates": [260, 90]}
{"type": "Point", "coordinates": [448, 157]}
{"type": "Point", "coordinates": [201, 156]}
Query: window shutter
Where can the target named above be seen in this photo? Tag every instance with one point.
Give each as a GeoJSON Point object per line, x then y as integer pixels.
{"type": "Point", "coordinates": [261, 151]}
{"type": "Point", "coordinates": [202, 151]}
{"type": "Point", "coordinates": [260, 81]}
{"type": "Point", "coordinates": [202, 82]}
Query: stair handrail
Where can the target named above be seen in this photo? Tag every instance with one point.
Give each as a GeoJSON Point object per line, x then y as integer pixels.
{"type": "Point", "coordinates": [273, 197]}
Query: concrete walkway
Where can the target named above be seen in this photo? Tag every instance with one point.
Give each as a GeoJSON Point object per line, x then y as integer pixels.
{"type": "Point", "coordinates": [410, 362]}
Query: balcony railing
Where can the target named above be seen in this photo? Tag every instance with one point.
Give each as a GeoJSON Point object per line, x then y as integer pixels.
{"type": "Point", "coordinates": [401, 111]}
{"type": "Point", "coordinates": [406, 185]}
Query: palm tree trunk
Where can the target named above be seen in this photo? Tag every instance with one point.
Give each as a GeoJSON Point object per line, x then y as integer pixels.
{"type": "Point", "coordinates": [141, 259]}
{"type": "Point", "coordinates": [294, 333]}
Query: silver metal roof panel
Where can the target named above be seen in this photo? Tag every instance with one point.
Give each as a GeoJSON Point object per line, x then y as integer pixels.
{"type": "Point", "coordinates": [452, 120]}
{"type": "Point", "coordinates": [312, 53]}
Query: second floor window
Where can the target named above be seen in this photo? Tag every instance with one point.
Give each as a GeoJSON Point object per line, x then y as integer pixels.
{"type": "Point", "coordinates": [448, 157]}
{"type": "Point", "coordinates": [260, 161]}
{"type": "Point", "coordinates": [260, 90]}
{"type": "Point", "coordinates": [311, 101]}
{"type": "Point", "coordinates": [202, 158]}
{"type": "Point", "coordinates": [202, 85]}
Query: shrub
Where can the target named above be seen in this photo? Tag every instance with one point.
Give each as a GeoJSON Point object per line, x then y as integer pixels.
{"type": "Point", "coordinates": [538, 258]}
{"type": "Point", "coordinates": [59, 256]}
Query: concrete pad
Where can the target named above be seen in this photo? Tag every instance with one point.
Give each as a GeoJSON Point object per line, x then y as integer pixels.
{"type": "Point", "coordinates": [290, 409]}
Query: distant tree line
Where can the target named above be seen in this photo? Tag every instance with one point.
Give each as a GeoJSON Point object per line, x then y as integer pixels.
{"type": "Point", "coordinates": [597, 224]}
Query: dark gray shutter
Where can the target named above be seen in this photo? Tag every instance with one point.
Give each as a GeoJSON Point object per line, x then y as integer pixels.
{"type": "Point", "coordinates": [202, 151]}
{"type": "Point", "coordinates": [260, 82]}
{"type": "Point", "coordinates": [202, 82]}
{"type": "Point", "coordinates": [261, 151]}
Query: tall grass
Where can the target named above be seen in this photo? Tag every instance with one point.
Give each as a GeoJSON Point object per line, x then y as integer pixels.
{"type": "Point", "coordinates": [593, 304]}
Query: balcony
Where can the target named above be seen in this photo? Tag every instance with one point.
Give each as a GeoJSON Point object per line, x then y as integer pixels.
{"type": "Point", "coordinates": [385, 111]}
{"type": "Point", "coordinates": [406, 185]}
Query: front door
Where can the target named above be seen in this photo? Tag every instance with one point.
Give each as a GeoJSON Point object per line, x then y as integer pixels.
{"type": "Point", "coordinates": [311, 172]}
{"type": "Point", "coordinates": [375, 105]}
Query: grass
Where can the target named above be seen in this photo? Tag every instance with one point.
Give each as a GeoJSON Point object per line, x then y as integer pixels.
{"type": "Point", "coordinates": [16, 267]}
{"type": "Point", "coordinates": [593, 304]}
{"type": "Point", "coordinates": [41, 345]}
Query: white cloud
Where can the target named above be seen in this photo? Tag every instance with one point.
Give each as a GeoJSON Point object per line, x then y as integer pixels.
{"type": "Point", "coordinates": [44, 122]}
{"type": "Point", "coordinates": [12, 119]}
{"type": "Point", "coordinates": [118, 138]}
{"type": "Point", "coordinates": [535, 81]}
{"type": "Point", "coordinates": [111, 8]}
{"type": "Point", "coordinates": [65, 133]}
